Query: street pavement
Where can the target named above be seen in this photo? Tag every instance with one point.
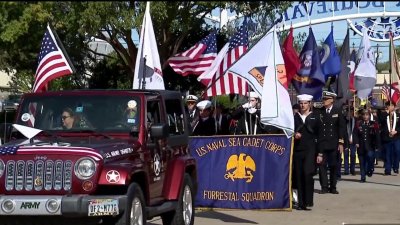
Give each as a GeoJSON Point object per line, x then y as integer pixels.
{"type": "Point", "coordinates": [375, 202]}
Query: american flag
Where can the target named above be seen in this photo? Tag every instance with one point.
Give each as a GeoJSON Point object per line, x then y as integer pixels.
{"type": "Point", "coordinates": [196, 59]}
{"type": "Point", "coordinates": [8, 150]}
{"type": "Point", "coordinates": [229, 83]}
{"type": "Point", "coordinates": [385, 90]}
{"type": "Point", "coordinates": [52, 62]}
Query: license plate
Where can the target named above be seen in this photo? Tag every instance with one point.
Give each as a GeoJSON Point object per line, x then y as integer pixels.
{"type": "Point", "coordinates": [103, 207]}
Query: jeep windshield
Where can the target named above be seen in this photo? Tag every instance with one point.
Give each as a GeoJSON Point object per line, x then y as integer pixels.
{"type": "Point", "coordinates": [73, 113]}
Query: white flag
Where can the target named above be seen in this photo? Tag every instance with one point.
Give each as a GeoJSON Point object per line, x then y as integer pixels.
{"type": "Point", "coordinates": [365, 74]}
{"type": "Point", "coordinates": [263, 67]}
{"type": "Point", "coordinates": [148, 64]}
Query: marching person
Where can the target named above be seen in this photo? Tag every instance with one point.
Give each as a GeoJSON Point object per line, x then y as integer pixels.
{"type": "Point", "coordinates": [248, 115]}
{"type": "Point", "coordinates": [390, 136]}
{"type": "Point", "coordinates": [330, 142]}
{"type": "Point", "coordinates": [306, 130]}
{"type": "Point", "coordinates": [205, 125]}
{"type": "Point", "coordinates": [366, 139]}
{"type": "Point", "coordinates": [350, 150]}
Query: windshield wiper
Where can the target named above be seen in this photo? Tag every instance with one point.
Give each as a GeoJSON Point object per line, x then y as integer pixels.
{"type": "Point", "coordinates": [96, 133]}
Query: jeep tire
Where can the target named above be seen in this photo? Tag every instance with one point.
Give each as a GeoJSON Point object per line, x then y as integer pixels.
{"type": "Point", "coordinates": [135, 211]}
{"type": "Point", "coordinates": [184, 213]}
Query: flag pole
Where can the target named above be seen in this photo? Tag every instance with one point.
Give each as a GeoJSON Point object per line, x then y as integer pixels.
{"type": "Point", "coordinates": [144, 58]}
{"type": "Point", "coordinates": [60, 44]}
{"type": "Point", "coordinates": [390, 68]}
{"type": "Point", "coordinates": [144, 74]}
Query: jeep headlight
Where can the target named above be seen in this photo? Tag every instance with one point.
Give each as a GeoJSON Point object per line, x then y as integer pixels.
{"type": "Point", "coordinates": [85, 168]}
{"type": "Point", "coordinates": [1, 168]}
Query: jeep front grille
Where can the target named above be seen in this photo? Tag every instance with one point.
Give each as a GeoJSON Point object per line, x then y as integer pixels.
{"type": "Point", "coordinates": [38, 175]}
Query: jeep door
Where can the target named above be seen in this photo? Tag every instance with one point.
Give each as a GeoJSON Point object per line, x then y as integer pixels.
{"type": "Point", "coordinates": [156, 166]}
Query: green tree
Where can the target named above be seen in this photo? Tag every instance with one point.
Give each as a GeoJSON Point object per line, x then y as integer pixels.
{"type": "Point", "coordinates": [22, 26]}
{"type": "Point", "coordinates": [177, 26]}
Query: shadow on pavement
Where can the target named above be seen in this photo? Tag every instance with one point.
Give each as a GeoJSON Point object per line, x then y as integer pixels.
{"type": "Point", "coordinates": [371, 182]}
{"type": "Point", "coordinates": [223, 217]}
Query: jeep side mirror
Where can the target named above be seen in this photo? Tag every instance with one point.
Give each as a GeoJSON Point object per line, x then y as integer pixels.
{"type": "Point", "coordinates": [160, 130]}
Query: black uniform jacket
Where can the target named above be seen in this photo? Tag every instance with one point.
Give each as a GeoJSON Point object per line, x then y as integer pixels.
{"type": "Point", "coordinates": [241, 115]}
{"type": "Point", "coordinates": [223, 126]}
{"type": "Point", "coordinates": [308, 131]}
{"type": "Point", "coordinates": [205, 127]}
{"type": "Point", "coordinates": [332, 128]}
{"type": "Point", "coordinates": [383, 118]}
{"type": "Point", "coordinates": [366, 135]}
{"type": "Point", "coordinates": [193, 117]}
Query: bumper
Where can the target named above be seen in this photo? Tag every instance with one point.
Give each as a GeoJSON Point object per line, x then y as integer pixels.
{"type": "Point", "coordinates": [70, 206]}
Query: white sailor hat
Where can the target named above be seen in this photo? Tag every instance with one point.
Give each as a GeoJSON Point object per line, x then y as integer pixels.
{"type": "Point", "coordinates": [205, 104]}
{"type": "Point", "coordinates": [304, 97]}
{"type": "Point", "coordinates": [191, 98]}
{"type": "Point", "coordinates": [254, 95]}
{"type": "Point", "coordinates": [328, 94]}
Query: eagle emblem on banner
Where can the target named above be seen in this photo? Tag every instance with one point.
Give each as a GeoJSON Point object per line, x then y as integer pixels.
{"type": "Point", "coordinates": [240, 167]}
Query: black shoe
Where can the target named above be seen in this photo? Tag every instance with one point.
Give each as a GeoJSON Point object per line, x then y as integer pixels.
{"type": "Point", "coordinates": [323, 191]}
{"type": "Point", "coordinates": [334, 191]}
{"type": "Point", "coordinates": [369, 174]}
{"type": "Point", "coordinates": [353, 173]}
{"type": "Point", "coordinates": [302, 208]}
{"type": "Point", "coordinates": [362, 180]}
{"type": "Point", "coordinates": [346, 173]}
{"type": "Point", "coordinates": [396, 171]}
{"type": "Point", "coordinates": [387, 174]}
{"type": "Point", "coordinates": [310, 205]}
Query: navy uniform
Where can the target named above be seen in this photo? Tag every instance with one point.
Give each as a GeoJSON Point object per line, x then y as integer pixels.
{"type": "Point", "coordinates": [304, 155]}
{"type": "Point", "coordinates": [193, 114]}
{"type": "Point", "coordinates": [205, 125]}
{"type": "Point", "coordinates": [390, 143]}
{"type": "Point", "coordinates": [247, 117]}
{"type": "Point", "coordinates": [366, 136]}
{"type": "Point", "coordinates": [331, 133]}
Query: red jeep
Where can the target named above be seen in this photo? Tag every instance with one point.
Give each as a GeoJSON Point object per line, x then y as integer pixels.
{"type": "Point", "coordinates": [124, 159]}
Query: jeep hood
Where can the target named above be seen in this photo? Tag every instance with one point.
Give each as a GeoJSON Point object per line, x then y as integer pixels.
{"type": "Point", "coordinates": [102, 148]}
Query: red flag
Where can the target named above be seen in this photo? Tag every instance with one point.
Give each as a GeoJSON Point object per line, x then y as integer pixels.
{"type": "Point", "coordinates": [53, 63]}
{"type": "Point", "coordinates": [352, 66]}
{"type": "Point", "coordinates": [291, 58]}
{"type": "Point", "coordinates": [394, 72]}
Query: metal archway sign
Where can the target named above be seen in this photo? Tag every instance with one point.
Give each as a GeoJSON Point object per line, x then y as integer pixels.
{"type": "Point", "coordinates": [379, 24]}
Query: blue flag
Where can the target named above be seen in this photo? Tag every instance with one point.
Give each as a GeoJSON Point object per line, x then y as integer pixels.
{"type": "Point", "coordinates": [330, 60]}
{"type": "Point", "coordinates": [309, 78]}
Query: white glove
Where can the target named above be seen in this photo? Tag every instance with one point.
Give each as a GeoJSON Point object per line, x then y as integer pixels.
{"type": "Point", "coordinates": [252, 110]}
{"type": "Point", "coordinates": [246, 105]}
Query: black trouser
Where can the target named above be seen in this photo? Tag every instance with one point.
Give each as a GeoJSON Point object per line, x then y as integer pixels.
{"type": "Point", "coordinates": [330, 158]}
{"type": "Point", "coordinates": [304, 167]}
